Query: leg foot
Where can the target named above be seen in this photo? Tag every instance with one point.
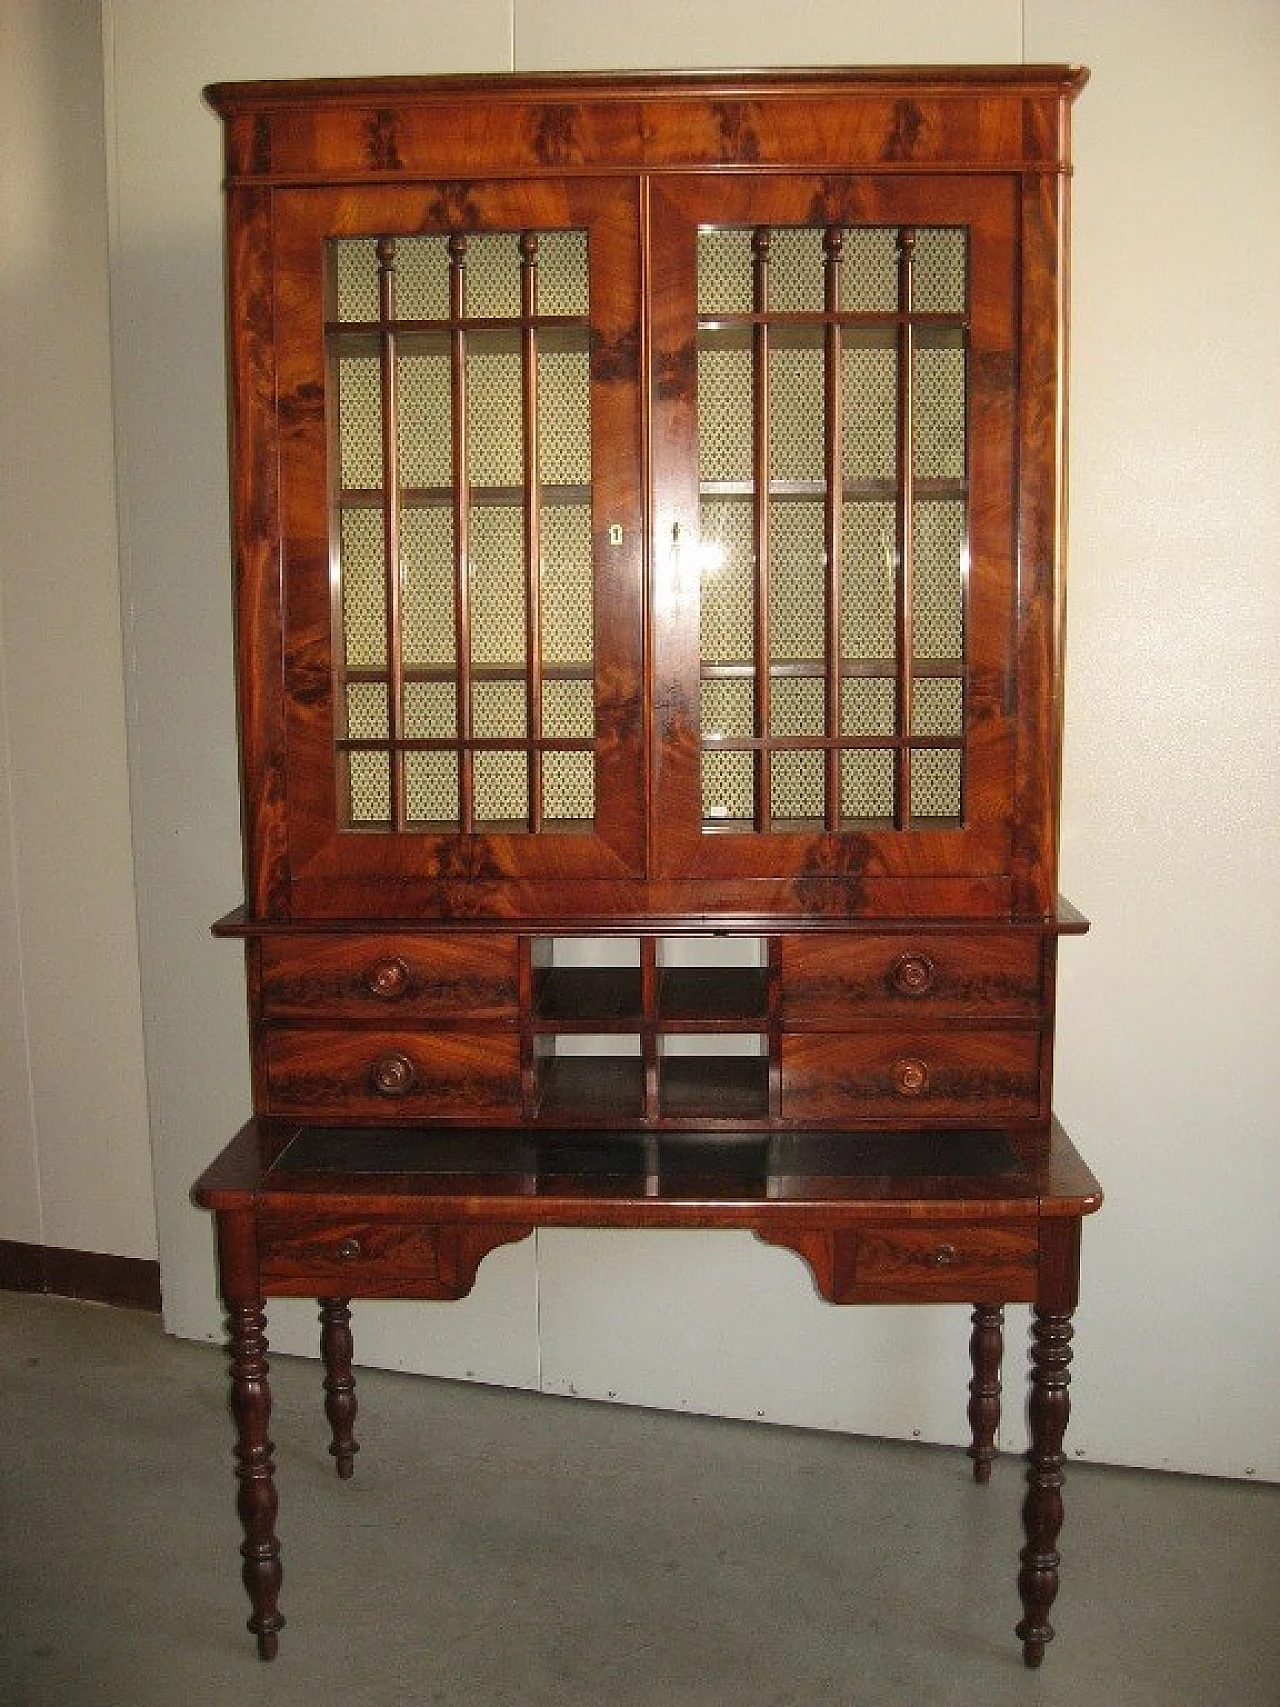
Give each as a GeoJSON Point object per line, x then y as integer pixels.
{"type": "Point", "coordinates": [256, 1503]}
{"type": "Point", "coordinates": [337, 1347]}
{"type": "Point", "coordinates": [986, 1348]}
{"type": "Point", "coordinates": [1049, 1410]}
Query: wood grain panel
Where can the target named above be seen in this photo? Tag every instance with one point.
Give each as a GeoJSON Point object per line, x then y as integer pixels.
{"type": "Point", "coordinates": [910, 1075]}
{"type": "Point", "coordinates": [834, 980]}
{"type": "Point", "coordinates": [328, 1074]}
{"type": "Point", "coordinates": [381, 976]}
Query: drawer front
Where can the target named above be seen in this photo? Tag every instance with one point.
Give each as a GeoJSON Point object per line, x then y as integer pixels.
{"type": "Point", "coordinates": [347, 1257]}
{"type": "Point", "coordinates": [943, 1261]}
{"type": "Point", "coordinates": [830, 981]}
{"type": "Point", "coordinates": [362, 977]}
{"type": "Point", "coordinates": [917, 1076]}
{"type": "Point", "coordinates": [323, 1074]}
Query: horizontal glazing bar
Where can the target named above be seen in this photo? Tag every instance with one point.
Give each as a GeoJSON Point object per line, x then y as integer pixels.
{"type": "Point", "coordinates": [480, 744]}
{"type": "Point", "coordinates": [441, 497]}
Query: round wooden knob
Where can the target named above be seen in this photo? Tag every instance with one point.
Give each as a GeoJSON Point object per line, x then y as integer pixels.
{"type": "Point", "coordinates": [945, 1256]}
{"type": "Point", "coordinates": [914, 975]}
{"type": "Point", "coordinates": [910, 1076]}
{"type": "Point", "coordinates": [350, 1250]}
{"type": "Point", "coordinates": [393, 1075]}
{"type": "Point", "coordinates": [387, 978]}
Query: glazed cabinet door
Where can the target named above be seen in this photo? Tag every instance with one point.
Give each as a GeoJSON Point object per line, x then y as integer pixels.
{"type": "Point", "coordinates": [834, 567]}
{"type": "Point", "coordinates": [458, 624]}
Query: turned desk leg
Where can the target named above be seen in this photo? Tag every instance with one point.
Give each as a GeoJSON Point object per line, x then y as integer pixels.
{"type": "Point", "coordinates": [1050, 1408]}
{"type": "Point", "coordinates": [986, 1348]}
{"type": "Point", "coordinates": [336, 1348]}
{"type": "Point", "coordinates": [251, 1406]}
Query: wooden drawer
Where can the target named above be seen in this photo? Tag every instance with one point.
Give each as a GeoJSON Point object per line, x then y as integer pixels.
{"type": "Point", "coordinates": [331, 1256]}
{"type": "Point", "coordinates": [897, 1074]}
{"type": "Point", "coordinates": [833, 980]}
{"type": "Point", "coordinates": [322, 1074]}
{"type": "Point", "coordinates": [947, 1262]}
{"type": "Point", "coordinates": [472, 978]}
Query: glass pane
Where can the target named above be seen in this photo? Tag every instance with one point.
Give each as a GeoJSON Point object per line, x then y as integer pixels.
{"type": "Point", "coordinates": [795, 270]}
{"type": "Point", "coordinates": [869, 388]}
{"type": "Point", "coordinates": [728, 788]}
{"type": "Point", "coordinates": [869, 270]}
{"type": "Point", "coordinates": [563, 276]}
{"type": "Point", "coordinates": [796, 785]}
{"type": "Point", "coordinates": [501, 787]}
{"type": "Point", "coordinates": [796, 439]}
{"type": "Point", "coordinates": [364, 597]}
{"type": "Point", "coordinates": [568, 786]}
{"type": "Point", "coordinates": [564, 417]}
{"type": "Point", "coordinates": [425, 422]}
{"type": "Point", "coordinates": [940, 282]}
{"type": "Point", "coordinates": [935, 782]}
{"type": "Point", "coordinates": [866, 784]}
{"type": "Point", "coordinates": [360, 421]}
{"type": "Point", "coordinates": [937, 705]}
{"type": "Point", "coordinates": [938, 385]}
{"type": "Point", "coordinates": [430, 710]}
{"type": "Point", "coordinates": [370, 787]}
{"type": "Point", "coordinates": [797, 583]}
{"type": "Point", "coordinates": [493, 275]}
{"type": "Point", "coordinates": [499, 710]}
{"type": "Point", "coordinates": [567, 587]}
{"type": "Point", "coordinates": [797, 706]}
{"type": "Point", "coordinates": [724, 413]}
{"type": "Point", "coordinates": [727, 555]}
{"type": "Point", "coordinates": [728, 708]}
{"type": "Point", "coordinates": [431, 789]}
{"type": "Point", "coordinates": [937, 617]}
{"type": "Point", "coordinates": [497, 585]}
{"type": "Point", "coordinates": [567, 709]}
{"type": "Point", "coordinates": [867, 581]}
{"type": "Point", "coordinates": [426, 588]}
{"type": "Point", "coordinates": [724, 272]}
{"type": "Point", "coordinates": [495, 430]}
{"type": "Point", "coordinates": [867, 705]}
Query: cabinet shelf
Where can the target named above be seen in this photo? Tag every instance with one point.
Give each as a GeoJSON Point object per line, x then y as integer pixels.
{"type": "Point", "coordinates": [559, 334]}
{"type": "Point", "coordinates": [589, 1088]}
{"type": "Point", "coordinates": [715, 1087]}
{"type": "Point", "coordinates": [712, 995]}
{"type": "Point", "coordinates": [587, 996]}
{"type": "Point", "coordinates": [878, 490]}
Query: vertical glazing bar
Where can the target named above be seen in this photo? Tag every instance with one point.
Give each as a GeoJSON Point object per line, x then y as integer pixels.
{"type": "Point", "coordinates": [833, 463]}
{"type": "Point", "coordinates": [760, 241]}
{"type": "Point", "coordinates": [461, 526]}
{"type": "Point", "coordinates": [532, 520]}
{"type": "Point", "coordinates": [904, 530]}
{"type": "Point", "coordinates": [386, 252]}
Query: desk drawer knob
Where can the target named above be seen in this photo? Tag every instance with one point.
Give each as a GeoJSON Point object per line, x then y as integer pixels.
{"type": "Point", "coordinates": [945, 1256]}
{"type": "Point", "coordinates": [387, 979]}
{"type": "Point", "coordinates": [910, 1076]}
{"type": "Point", "coordinates": [914, 975]}
{"type": "Point", "coordinates": [350, 1250]}
{"type": "Point", "coordinates": [393, 1075]}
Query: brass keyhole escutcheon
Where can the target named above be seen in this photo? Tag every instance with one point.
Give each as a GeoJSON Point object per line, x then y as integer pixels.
{"type": "Point", "coordinates": [945, 1256]}
{"type": "Point", "coordinates": [350, 1250]}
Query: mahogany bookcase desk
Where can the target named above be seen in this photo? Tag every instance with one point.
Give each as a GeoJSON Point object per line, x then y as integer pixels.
{"type": "Point", "coordinates": [648, 520]}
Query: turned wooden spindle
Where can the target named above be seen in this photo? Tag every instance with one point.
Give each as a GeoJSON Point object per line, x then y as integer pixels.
{"type": "Point", "coordinates": [986, 1349]}
{"type": "Point", "coordinates": [340, 1405]}
{"type": "Point", "coordinates": [256, 1502]}
{"type": "Point", "coordinates": [1049, 1411]}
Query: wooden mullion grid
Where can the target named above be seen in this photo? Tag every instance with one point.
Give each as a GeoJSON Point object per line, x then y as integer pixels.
{"type": "Point", "coordinates": [461, 526]}
{"type": "Point", "coordinates": [532, 520]}
{"type": "Point", "coordinates": [832, 243]}
{"type": "Point", "coordinates": [904, 531]}
{"type": "Point", "coordinates": [386, 253]}
{"type": "Point", "coordinates": [715, 670]}
{"type": "Point", "coordinates": [762, 785]}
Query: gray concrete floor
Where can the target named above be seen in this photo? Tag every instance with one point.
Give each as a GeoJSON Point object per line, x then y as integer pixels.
{"type": "Point", "coordinates": [501, 1547]}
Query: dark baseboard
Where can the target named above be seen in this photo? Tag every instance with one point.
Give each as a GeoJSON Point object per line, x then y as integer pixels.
{"type": "Point", "coordinates": [127, 1281]}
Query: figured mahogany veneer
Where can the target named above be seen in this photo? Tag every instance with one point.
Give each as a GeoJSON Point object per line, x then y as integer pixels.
{"type": "Point", "coordinates": [648, 517]}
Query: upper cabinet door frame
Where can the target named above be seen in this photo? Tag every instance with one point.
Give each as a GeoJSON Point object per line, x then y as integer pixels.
{"type": "Point", "coordinates": [336, 831]}
{"type": "Point", "coordinates": [774, 843]}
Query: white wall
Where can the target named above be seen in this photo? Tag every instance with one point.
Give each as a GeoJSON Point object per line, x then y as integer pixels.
{"type": "Point", "coordinates": [1169, 1011]}
{"type": "Point", "coordinates": [74, 1159]}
